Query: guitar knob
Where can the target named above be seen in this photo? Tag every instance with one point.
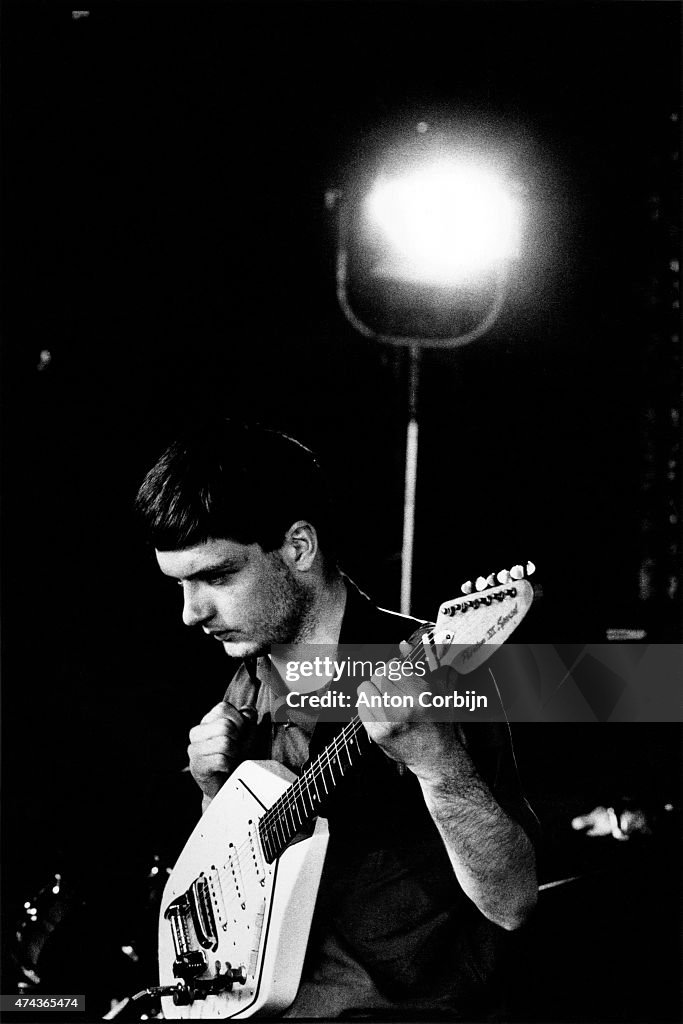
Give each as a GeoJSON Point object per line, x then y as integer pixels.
{"type": "Point", "coordinates": [480, 584]}
{"type": "Point", "coordinates": [183, 994]}
{"type": "Point", "coordinates": [530, 568]}
{"type": "Point", "coordinates": [238, 975]}
{"type": "Point", "coordinates": [517, 572]}
{"type": "Point", "coordinates": [503, 576]}
{"type": "Point", "coordinates": [466, 588]}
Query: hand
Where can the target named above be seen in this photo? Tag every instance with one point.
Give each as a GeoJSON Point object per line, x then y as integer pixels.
{"type": "Point", "coordinates": [430, 749]}
{"type": "Point", "coordinates": [605, 821]}
{"type": "Point", "coordinates": [217, 745]}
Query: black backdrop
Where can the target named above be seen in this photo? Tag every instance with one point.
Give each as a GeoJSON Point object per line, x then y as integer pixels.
{"type": "Point", "coordinates": [167, 242]}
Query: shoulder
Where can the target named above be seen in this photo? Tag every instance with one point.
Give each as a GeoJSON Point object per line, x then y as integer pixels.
{"type": "Point", "coordinates": [365, 622]}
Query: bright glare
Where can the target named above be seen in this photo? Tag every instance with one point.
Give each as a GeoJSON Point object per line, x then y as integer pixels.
{"type": "Point", "coordinates": [446, 223]}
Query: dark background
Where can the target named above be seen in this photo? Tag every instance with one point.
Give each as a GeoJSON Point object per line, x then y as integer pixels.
{"type": "Point", "coordinates": [168, 243]}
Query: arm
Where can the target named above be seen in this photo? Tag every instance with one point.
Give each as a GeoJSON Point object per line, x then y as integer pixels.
{"type": "Point", "coordinates": [492, 856]}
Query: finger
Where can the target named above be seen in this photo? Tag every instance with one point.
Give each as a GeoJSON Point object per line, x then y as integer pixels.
{"type": "Point", "coordinates": [221, 727]}
{"type": "Point", "coordinates": [224, 709]}
{"type": "Point", "coordinates": [216, 764]}
{"type": "Point", "coordinates": [249, 714]}
{"type": "Point", "coordinates": [430, 656]}
{"type": "Point", "coordinates": [366, 711]}
{"type": "Point", "coordinates": [216, 745]}
{"type": "Point", "coordinates": [405, 648]}
{"type": "Point", "coordinates": [372, 710]}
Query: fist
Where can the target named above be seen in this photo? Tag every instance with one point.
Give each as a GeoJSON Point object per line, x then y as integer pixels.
{"type": "Point", "coordinates": [218, 744]}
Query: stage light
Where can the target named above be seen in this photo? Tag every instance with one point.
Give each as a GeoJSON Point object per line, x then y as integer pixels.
{"type": "Point", "coordinates": [430, 232]}
{"type": "Point", "coordinates": [445, 224]}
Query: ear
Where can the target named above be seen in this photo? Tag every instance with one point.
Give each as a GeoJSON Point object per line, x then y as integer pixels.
{"type": "Point", "coordinates": [300, 546]}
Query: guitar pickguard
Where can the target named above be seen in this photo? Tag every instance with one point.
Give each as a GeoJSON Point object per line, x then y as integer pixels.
{"type": "Point", "coordinates": [226, 910]}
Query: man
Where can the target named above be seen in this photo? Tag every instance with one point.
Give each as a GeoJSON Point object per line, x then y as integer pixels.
{"type": "Point", "coordinates": [429, 865]}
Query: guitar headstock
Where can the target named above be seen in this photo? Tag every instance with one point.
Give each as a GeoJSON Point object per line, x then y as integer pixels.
{"type": "Point", "coordinates": [475, 625]}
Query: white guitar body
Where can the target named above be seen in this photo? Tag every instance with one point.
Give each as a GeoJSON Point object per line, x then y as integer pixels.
{"type": "Point", "coordinates": [261, 913]}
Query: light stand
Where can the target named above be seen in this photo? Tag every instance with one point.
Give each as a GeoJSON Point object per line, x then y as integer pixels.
{"type": "Point", "coordinates": [414, 344]}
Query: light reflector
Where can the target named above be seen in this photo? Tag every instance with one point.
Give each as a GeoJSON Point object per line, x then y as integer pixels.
{"type": "Point", "coordinates": [446, 223]}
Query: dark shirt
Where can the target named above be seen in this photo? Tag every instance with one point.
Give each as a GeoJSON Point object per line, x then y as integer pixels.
{"type": "Point", "coordinates": [393, 932]}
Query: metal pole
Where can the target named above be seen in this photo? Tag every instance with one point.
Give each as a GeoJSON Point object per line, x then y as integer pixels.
{"type": "Point", "coordinates": [412, 434]}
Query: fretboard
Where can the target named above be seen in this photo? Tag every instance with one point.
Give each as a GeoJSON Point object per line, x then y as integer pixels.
{"type": "Point", "coordinates": [302, 802]}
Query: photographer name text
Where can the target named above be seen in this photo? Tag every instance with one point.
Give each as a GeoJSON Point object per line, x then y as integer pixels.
{"type": "Point", "coordinates": [468, 700]}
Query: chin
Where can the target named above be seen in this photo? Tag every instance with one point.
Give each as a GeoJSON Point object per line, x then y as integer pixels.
{"type": "Point", "coordinates": [242, 648]}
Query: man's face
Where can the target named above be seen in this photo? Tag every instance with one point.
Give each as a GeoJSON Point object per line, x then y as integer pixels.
{"type": "Point", "coordinates": [245, 597]}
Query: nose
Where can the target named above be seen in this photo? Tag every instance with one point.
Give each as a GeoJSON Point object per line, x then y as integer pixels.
{"type": "Point", "coordinates": [197, 606]}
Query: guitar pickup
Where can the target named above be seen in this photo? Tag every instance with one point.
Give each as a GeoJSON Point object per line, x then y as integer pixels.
{"type": "Point", "coordinates": [202, 914]}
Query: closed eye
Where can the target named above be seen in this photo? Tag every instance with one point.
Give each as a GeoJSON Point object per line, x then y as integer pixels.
{"type": "Point", "coordinates": [212, 578]}
{"type": "Point", "coordinates": [220, 577]}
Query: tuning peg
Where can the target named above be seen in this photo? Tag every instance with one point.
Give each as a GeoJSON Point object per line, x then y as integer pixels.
{"type": "Point", "coordinates": [466, 588]}
{"type": "Point", "coordinates": [503, 576]}
{"type": "Point", "coordinates": [490, 580]}
{"type": "Point", "coordinates": [517, 572]}
{"type": "Point", "coordinates": [480, 583]}
{"type": "Point", "coordinates": [530, 568]}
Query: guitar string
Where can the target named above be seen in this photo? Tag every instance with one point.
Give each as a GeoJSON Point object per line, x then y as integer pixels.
{"type": "Point", "coordinates": [293, 797]}
{"type": "Point", "coordinates": [275, 818]}
{"type": "Point", "coordinates": [277, 813]}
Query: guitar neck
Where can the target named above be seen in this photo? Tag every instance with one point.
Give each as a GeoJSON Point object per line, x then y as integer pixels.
{"type": "Point", "coordinates": [304, 799]}
{"type": "Point", "coordinates": [470, 628]}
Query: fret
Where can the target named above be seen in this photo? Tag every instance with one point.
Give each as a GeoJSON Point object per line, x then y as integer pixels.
{"type": "Point", "coordinates": [278, 823]}
{"type": "Point", "coordinates": [346, 747]}
{"type": "Point", "coordinates": [267, 845]}
{"type": "Point", "coordinates": [303, 799]}
{"type": "Point", "coordinates": [273, 839]}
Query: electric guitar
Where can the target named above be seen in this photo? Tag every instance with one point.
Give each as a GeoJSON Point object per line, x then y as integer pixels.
{"type": "Point", "coordinates": [237, 908]}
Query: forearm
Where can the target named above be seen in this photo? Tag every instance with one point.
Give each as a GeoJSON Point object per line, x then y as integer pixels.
{"type": "Point", "coordinates": [492, 856]}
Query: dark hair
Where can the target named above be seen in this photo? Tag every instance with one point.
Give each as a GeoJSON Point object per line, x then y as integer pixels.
{"type": "Point", "coordinates": [234, 480]}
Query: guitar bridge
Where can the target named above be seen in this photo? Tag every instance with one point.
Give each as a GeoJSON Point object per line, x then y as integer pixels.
{"type": "Point", "coordinates": [192, 908]}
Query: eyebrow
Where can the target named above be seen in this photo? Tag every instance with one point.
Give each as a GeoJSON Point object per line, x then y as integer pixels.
{"type": "Point", "coordinates": [210, 570]}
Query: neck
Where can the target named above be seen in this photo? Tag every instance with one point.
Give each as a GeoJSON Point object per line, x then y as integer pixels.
{"type": "Point", "coordinates": [324, 625]}
{"type": "Point", "coordinates": [323, 621]}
